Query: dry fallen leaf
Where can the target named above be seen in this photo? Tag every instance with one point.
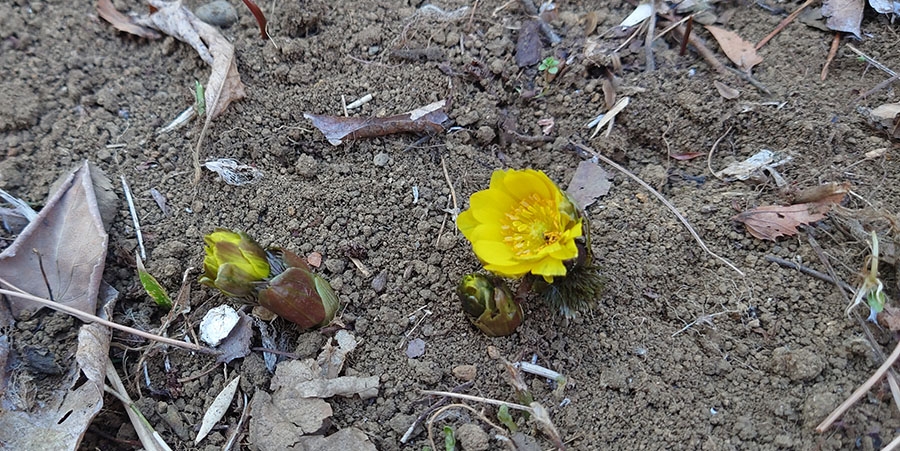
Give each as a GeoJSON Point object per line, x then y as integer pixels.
{"type": "Point", "coordinates": [237, 344]}
{"type": "Point", "coordinates": [217, 409]}
{"type": "Point", "coordinates": [726, 91]}
{"type": "Point", "coordinates": [844, 15]}
{"type": "Point", "coordinates": [589, 183]}
{"type": "Point", "coordinates": [771, 222]}
{"type": "Point", "coordinates": [890, 318]}
{"type": "Point", "coordinates": [828, 193]}
{"type": "Point", "coordinates": [68, 239]}
{"type": "Point", "coordinates": [740, 52]}
{"type": "Point", "coordinates": [61, 417]}
{"type": "Point", "coordinates": [121, 22]}
{"type": "Point", "coordinates": [314, 259]}
{"type": "Point", "coordinates": [426, 120]}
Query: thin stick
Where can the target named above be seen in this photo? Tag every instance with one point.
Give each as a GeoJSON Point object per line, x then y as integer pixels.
{"type": "Point", "coordinates": [494, 402]}
{"type": "Point", "coordinates": [434, 406]}
{"type": "Point", "coordinates": [88, 318]}
{"type": "Point", "coordinates": [687, 34]}
{"type": "Point", "coordinates": [877, 88]}
{"type": "Point", "coordinates": [790, 18]}
{"type": "Point", "coordinates": [453, 406]}
{"type": "Point", "coordinates": [893, 444]}
{"type": "Point", "coordinates": [835, 43]}
{"type": "Point", "coordinates": [713, 150]}
{"type": "Point", "coordinates": [648, 41]}
{"type": "Point", "coordinates": [702, 49]}
{"type": "Point", "coordinates": [861, 391]}
{"type": "Point", "coordinates": [809, 272]}
{"type": "Point", "coordinates": [134, 217]}
{"type": "Point", "coordinates": [871, 60]}
{"type": "Point", "coordinates": [455, 211]}
{"type": "Point", "coordinates": [665, 202]}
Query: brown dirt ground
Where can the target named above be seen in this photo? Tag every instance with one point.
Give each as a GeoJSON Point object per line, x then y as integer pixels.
{"type": "Point", "coordinates": [768, 355]}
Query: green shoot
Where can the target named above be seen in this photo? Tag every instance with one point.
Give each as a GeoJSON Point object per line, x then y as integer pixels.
{"type": "Point", "coordinates": [153, 288]}
{"type": "Point", "coordinates": [449, 439]}
{"type": "Point", "coordinates": [504, 416]}
{"type": "Point", "coordinates": [871, 288]}
{"type": "Point", "coordinates": [549, 64]}
{"type": "Point", "coordinates": [199, 98]}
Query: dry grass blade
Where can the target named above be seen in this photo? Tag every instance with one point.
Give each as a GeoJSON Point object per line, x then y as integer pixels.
{"type": "Point", "coordinates": [150, 439]}
{"type": "Point", "coordinates": [217, 409]}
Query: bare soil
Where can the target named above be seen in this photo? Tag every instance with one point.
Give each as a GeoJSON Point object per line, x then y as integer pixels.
{"type": "Point", "coordinates": [680, 353]}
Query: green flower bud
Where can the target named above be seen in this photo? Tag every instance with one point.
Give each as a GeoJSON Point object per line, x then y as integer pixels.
{"type": "Point", "coordinates": [296, 294]}
{"type": "Point", "coordinates": [234, 263]}
{"type": "Point", "coordinates": [490, 302]}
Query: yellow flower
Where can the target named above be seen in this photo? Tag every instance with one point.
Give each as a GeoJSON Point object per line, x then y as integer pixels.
{"type": "Point", "coordinates": [234, 262]}
{"type": "Point", "coordinates": [522, 223]}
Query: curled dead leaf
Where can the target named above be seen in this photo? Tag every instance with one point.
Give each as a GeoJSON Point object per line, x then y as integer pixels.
{"type": "Point", "coordinates": [771, 222]}
{"type": "Point", "coordinates": [740, 52]}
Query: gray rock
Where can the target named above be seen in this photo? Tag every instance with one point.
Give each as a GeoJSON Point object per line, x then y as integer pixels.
{"type": "Point", "coordinates": [219, 13]}
{"type": "Point", "coordinates": [382, 159]}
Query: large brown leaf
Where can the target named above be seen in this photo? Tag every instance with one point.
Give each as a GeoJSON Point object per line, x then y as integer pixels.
{"type": "Point", "coordinates": [771, 222]}
{"type": "Point", "coordinates": [740, 52]}
{"type": "Point", "coordinates": [68, 239]}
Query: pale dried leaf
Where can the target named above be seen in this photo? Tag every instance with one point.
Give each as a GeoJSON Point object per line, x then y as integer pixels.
{"type": "Point", "coordinates": [345, 439]}
{"type": "Point", "coordinates": [62, 419]}
{"type": "Point", "coordinates": [237, 344]}
{"type": "Point", "coordinates": [332, 358]}
{"type": "Point", "coordinates": [278, 420]}
{"type": "Point", "coordinates": [829, 193]}
{"type": "Point", "coordinates": [589, 183]}
{"type": "Point", "coordinates": [365, 387]}
{"type": "Point", "coordinates": [217, 409]}
{"type": "Point", "coordinates": [885, 6]}
{"type": "Point", "coordinates": [726, 91]}
{"type": "Point", "coordinates": [173, 19]}
{"type": "Point", "coordinates": [71, 240]}
{"type": "Point", "coordinates": [640, 14]}
{"type": "Point", "coordinates": [771, 222]}
{"type": "Point", "coordinates": [121, 22]}
{"type": "Point", "coordinates": [224, 84]}
{"type": "Point", "coordinates": [740, 52]}
{"type": "Point", "coordinates": [844, 15]}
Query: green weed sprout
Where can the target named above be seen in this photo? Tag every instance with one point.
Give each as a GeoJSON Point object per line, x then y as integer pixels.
{"type": "Point", "coordinates": [549, 64]}
{"type": "Point", "coordinates": [449, 439]}
{"type": "Point", "coordinates": [199, 98]}
{"type": "Point", "coordinates": [506, 418]}
{"type": "Point", "coordinates": [871, 289]}
{"type": "Point", "coordinates": [152, 286]}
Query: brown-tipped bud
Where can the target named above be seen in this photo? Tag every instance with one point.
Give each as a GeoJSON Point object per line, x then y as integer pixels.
{"type": "Point", "coordinates": [300, 297]}
{"type": "Point", "coordinates": [490, 303]}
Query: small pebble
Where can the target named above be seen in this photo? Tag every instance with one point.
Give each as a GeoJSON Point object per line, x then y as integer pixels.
{"type": "Point", "coordinates": [465, 373]}
{"type": "Point", "coordinates": [382, 159]}
{"type": "Point", "coordinates": [219, 13]}
{"type": "Point", "coordinates": [415, 348]}
{"type": "Point", "coordinates": [472, 438]}
{"type": "Point", "coordinates": [380, 281]}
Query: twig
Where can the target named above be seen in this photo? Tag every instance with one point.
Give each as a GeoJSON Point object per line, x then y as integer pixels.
{"type": "Point", "coordinates": [434, 406]}
{"type": "Point", "coordinates": [236, 431]}
{"type": "Point", "coordinates": [700, 319]}
{"type": "Point", "coordinates": [861, 391]}
{"type": "Point", "coordinates": [88, 318]}
{"type": "Point", "coordinates": [713, 150]}
{"type": "Point", "coordinates": [665, 202]}
{"type": "Point", "coordinates": [877, 88]}
{"type": "Point", "coordinates": [687, 34]}
{"type": "Point", "coordinates": [871, 60]}
{"type": "Point", "coordinates": [835, 43]}
{"type": "Point", "coordinates": [454, 406]}
{"type": "Point", "coordinates": [494, 402]}
{"type": "Point", "coordinates": [810, 272]}
{"type": "Point", "coordinates": [134, 217]}
{"type": "Point", "coordinates": [714, 62]}
{"type": "Point", "coordinates": [455, 212]}
{"type": "Point", "coordinates": [650, 65]}
{"type": "Point", "coordinates": [790, 18]}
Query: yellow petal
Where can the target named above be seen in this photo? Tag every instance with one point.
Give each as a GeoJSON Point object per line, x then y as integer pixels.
{"type": "Point", "coordinates": [522, 184]}
{"type": "Point", "coordinates": [466, 223]}
{"type": "Point", "coordinates": [490, 205]}
{"type": "Point", "coordinates": [493, 252]}
{"type": "Point", "coordinates": [549, 267]}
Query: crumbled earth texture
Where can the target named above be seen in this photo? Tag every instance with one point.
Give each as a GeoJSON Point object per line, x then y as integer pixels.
{"type": "Point", "coordinates": [681, 351]}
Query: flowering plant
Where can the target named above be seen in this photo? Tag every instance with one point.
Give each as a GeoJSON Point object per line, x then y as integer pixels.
{"type": "Point", "coordinates": [276, 278]}
{"type": "Point", "coordinates": [524, 225]}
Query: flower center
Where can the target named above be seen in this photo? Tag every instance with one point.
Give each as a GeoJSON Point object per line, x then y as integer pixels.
{"type": "Point", "coordinates": [532, 225]}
